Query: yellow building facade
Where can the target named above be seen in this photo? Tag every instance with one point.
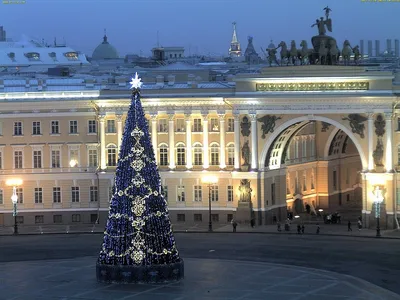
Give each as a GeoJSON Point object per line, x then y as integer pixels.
{"type": "Point", "coordinates": [277, 141]}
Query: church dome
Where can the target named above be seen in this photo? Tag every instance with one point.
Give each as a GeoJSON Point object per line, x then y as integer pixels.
{"type": "Point", "coordinates": [104, 51]}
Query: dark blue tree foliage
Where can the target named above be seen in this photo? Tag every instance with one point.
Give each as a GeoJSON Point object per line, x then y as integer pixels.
{"type": "Point", "coordinates": [138, 230]}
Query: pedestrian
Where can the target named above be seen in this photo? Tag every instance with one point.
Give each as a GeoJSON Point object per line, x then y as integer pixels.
{"type": "Point", "coordinates": [318, 228]}
{"type": "Point", "coordinates": [298, 229]}
{"type": "Point", "coordinates": [252, 223]}
{"type": "Point", "coordinates": [279, 226]}
{"type": "Point", "coordinates": [359, 225]}
{"type": "Point", "coordinates": [349, 226]}
{"type": "Point", "coordinates": [302, 229]}
{"type": "Point", "coordinates": [234, 224]}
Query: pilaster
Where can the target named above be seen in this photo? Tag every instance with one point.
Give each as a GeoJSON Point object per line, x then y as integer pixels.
{"type": "Point", "coordinates": [237, 140]}
{"type": "Point", "coordinates": [371, 166]}
{"type": "Point", "coordinates": [254, 142]}
{"type": "Point", "coordinates": [189, 154]}
{"type": "Point", "coordinates": [171, 140]}
{"type": "Point", "coordinates": [206, 156]}
{"type": "Point", "coordinates": [222, 151]}
{"type": "Point", "coordinates": [389, 139]}
{"type": "Point", "coordinates": [103, 161]}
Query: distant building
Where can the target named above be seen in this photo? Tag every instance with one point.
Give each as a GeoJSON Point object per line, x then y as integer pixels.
{"type": "Point", "coordinates": [168, 53]}
{"type": "Point", "coordinates": [3, 36]}
{"type": "Point", "coordinates": [105, 50]}
{"type": "Point", "coordinates": [235, 50]}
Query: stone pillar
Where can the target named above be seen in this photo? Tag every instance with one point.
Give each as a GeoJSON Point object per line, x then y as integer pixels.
{"type": "Point", "coordinates": [206, 156]}
{"type": "Point", "coordinates": [222, 162]}
{"type": "Point", "coordinates": [389, 147]}
{"type": "Point", "coordinates": [171, 141]}
{"type": "Point", "coordinates": [154, 135]}
{"type": "Point", "coordinates": [189, 154]}
{"type": "Point", "coordinates": [254, 142]}
{"type": "Point", "coordinates": [237, 140]}
{"type": "Point", "coordinates": [119, 131]}
{"type": "Point", "coordinates": [371, 142]}
{"type": "Point", "coordinates": [102, 125]}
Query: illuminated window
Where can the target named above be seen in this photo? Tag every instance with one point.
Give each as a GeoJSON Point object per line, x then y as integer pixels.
{"type": "Point", "coordinates": [71, 55]}
{"type": "Point", "coordinates": [112, 156]}
{"type": "Point", "coordinates": [163, 153]}
{"type": "Point", "coordinates": [180, 154]}
{"type": "Point", "coordinates": [231, 155]}
{"type": "Point", "coordinates": [181, 193]}
{"type": "Point", "coordinates": [214, 151]}
{"type": "Point", "coordinates": [198, 193]}
{"type": "Point", "coordinates": [32, 56]}
{"type": "Point", "coordinates": [198, 154]}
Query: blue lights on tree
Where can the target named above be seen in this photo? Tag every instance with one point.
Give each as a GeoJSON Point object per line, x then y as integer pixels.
{"type": "Point", "coordinates": [138, 230]}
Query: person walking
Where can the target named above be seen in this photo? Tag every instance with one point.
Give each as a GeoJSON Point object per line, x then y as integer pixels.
{"type": "Point", "coordinates": [318, 228]}
{"type": "Point", "coordinates": [252, 223]}
{"type": "Point", "coordinates": [349, 226]}
{"type": "Point", "coordinates": [234, 225]}
{"type": "Point", "coordinates": [302, 229]}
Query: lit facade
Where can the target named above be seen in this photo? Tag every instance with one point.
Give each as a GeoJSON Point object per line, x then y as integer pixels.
{"type": "Point", "coordinates": [63, 143]}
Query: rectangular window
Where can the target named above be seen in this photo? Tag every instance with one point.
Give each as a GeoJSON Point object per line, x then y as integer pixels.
{"type": "Point", "coordinates": [214, 156]}
{"type": "Point", "coordinates": [165, 192]}
{"type": "Point", "coordinates": [37, 159]}
{"type": "Point", "coordinates": [76, 218]}
{"type": "Point", "coordinates": [214, 125]}
{"type": "Point", "coordinates": [55, 159]}
{"type": "Point", "coordinates": [55, 127]}
{"type": "Point", "coordinates": [94, 218]}
{"type": "Point", "coordinates": [39, 219]}
{"type": "Point", "coordinates": [180, 125]}
{"type": "Point", "coordinates": [162, 125]}
{"type": "Point", "coordinates": [92, 126]}
{"type": "Point", "coordinates": [20, 219]}
{"type": "Point", "coordinates": [334, 180]}
{"type": "Point", "coordinates": [73, 127]}
{"type": "Point", "coordinates": [180, 217]}
{"type": "Point", "coordinates": [75, 194]}
{"type": "Point", "coordinates": [304, 148]}
{"type": "Point", "coordinates": [94, 194]}
{"type": "Point", "coordinates": [229, 217]}
{"type": "Point", "coordinates": [38, 195]}
{"type": "Point", "coordinates": [18, 159]}
{"type": "Point", "coordinates": [198, 217]}
{"type": "Point", "coordinates": [92, 157]}
{"type": "Point", "coordinates": [18, 129]}
{"type": "Point", "coordinates": [304, 182]}
{"type": "Point", "coordinates": [111, 126]}
{"type": "Point", "coordinates": [313, 180]}
{"type": "Point", "coordinates": [57, 219]}
{"type": "Point", "coordinates": [36, 128]}
{"type": "Point", "coordinates": [181, 193]}
{"type": "Point", "coordinates": [1, 197]}
{"type": "Point", "coordinates": [198, 156]}
{"type": "Point", "coordinates": [230, 193]}
{"type": "Point", "coordinates": [180, 156]}
{"type": "Point", "coordinates": [215, 217]}
{"type": "Point", "coordinates": [273, 193]}
{"type": "Point", "coordinates": [197, 125]}
{"type": "Point", "coordinates": [56, 194]}
{"type": "Point", "coordinates": [348, 197]}
{"type": "Point", "coordinates": [198, 195]}
{"type": "Point", "coordinates": [230, 125]}
{"type": "Point", "coordinates": [163, 156]}
{"type": "Point", "coordinates": [297, 184]}
{"type": "Point", "coordinates": [74, 154]}
{"type": "Point", "coordinates": [231, 156]}
{"type": "Point", "coordinates": [214, 193]}
{"type": "Point", "coordinates": [20, 195]}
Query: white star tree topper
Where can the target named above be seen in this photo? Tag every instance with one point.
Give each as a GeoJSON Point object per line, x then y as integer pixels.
{"type": "Point", "coordinates": [136, 82]}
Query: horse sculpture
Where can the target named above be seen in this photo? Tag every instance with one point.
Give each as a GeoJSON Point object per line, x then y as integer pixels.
{"type": "Point", "coordinates": [346, 52]}
{"type": "Point", "coordinates": [304, 53]}
{"type": "Point", "coordinates": [285, 54]}
{"type": "Point", "coordinates": [334, 52]}
{"type": "Point", "coordinates": [294, 54]}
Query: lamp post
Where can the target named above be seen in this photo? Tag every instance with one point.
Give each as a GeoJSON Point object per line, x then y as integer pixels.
{"type": "Point", "coordinates": [378, 199]}
{"type": "Point", "coordinates": [210, 181]}
{"type": "Point", "coordinates": [14, 198]}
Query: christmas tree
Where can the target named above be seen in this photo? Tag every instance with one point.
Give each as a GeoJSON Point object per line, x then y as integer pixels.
{"type": "Point", "coordinates": [138, 244]}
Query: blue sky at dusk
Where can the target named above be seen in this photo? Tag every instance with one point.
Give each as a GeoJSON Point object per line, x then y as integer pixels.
{"type": "Point", "coordinates": [201, 26]}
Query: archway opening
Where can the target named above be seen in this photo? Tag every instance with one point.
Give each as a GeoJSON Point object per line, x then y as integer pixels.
{"type": "Point", "coordinates": [313, 168]}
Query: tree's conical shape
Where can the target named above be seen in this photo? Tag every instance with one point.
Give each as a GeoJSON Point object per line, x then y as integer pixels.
{"type": "Point", "coordinates": [138, 244]}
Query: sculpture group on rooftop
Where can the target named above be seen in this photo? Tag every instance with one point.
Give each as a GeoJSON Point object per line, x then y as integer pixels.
{"type": "Point", "coordinates": [325, 50]}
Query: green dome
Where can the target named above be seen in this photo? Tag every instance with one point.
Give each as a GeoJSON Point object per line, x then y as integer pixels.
{"type": "Point", "coordinates": [104, 51]}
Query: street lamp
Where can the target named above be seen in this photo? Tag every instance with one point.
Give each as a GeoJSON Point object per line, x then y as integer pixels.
{"type": "Point", "coordinates": [210, 181]}
{"type": "Point", "coordinates": [378, 199]}
{"type": "Point", "coordinates": [14, 198]}
{"type": "Point", "coordinates": [73, 163]}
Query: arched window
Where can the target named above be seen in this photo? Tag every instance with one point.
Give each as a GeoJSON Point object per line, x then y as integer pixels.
{"type": "Point", "coordinates": [163, 155]}
{"type": "Point", "coordinates": [231, 154]}
{"type": "Point", "coordinates": [180, 154]}
{"type": "Point", "coordinates": [111, 155]}
{"type": "Point", "coordinates": [214, 151]}
{"type": "Point", "coordinates": [198, 154]}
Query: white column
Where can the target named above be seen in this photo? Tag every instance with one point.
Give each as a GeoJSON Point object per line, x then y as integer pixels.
{"type": "Point", "coordinates": [189, 154]}
{"type": "Point", "coordinates": [119, 131]}
{"type": "Point", "coordinates": [389, 138]}
{"type": "Point", "coordinates": [103, 164]}
{"type": "Point", "coordinates": [171, 138]}
{"type": "Point", "coordinates": [236, 129]}
{"type": "Point", "coordinates": [206, 156]}
{"type": "Point", "coordinates": [370, 142]}
{"type": "Point", "coordinates": [254, 142]}
{"type": "Point", "coordinates": [222, 150]}
{"type": "Point", "coordinates": [154, 136]}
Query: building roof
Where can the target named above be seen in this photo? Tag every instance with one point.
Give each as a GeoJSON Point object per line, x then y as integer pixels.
{"type": "Point", "coordinates": [105, 51]}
